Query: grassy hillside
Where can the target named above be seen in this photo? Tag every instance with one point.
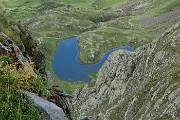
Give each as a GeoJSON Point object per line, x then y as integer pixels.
{"type": "Point", "coordinates": [14, 105]}
{"type": "Point", "coordinates": [101, 24]}
{"type": "Point", "coordinates": [16, 75]}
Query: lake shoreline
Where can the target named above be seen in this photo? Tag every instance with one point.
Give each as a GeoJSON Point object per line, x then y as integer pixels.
{"type": "Point", "coordinates": [67, 66]}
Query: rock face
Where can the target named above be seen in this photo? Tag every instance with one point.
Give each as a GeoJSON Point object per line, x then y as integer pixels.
{"type": "Point", "coordinates": [139, 85]}
{"type": "Point", "coordinates": [48, 110]}
{"type": "Point", "coordinates": [22, 46]}
{"type": "Point", "coordinates": [22, 52]}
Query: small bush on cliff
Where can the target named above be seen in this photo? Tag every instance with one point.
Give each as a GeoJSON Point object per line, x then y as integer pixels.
{"type": "Point", "coordinates": [16, 76]}
{"type": "Point", "coordinates": [13, 104]}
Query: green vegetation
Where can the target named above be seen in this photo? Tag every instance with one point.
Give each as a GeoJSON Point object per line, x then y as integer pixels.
{"type": "Point", "coordinates": [15, 76]}
{"type": "Point", "coordinates": [25, 78]}
{"type": "Point", "coordinates": [93, 75]}
{"type": "Point", "coordinates": [100, 27]}
{"type": "Point", "coordinates": [119, 111]}
{"type": "Point", "coordinates": [14, 105]}
{"type": "Point", "coordinates": [96, 4]}
{"type": "Point", "coordinates": [4, 25]}
{"type": "Point", "coordinates": [156, 90]}
{"type": "Point", "coordinates": [160, 7]}
{"type": "Point", "coordinates": [68, 87]}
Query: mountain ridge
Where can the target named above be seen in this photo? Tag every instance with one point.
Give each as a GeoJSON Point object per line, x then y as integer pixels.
{"type": "Point", "coordinates": [134, 85]}
{"type": "Point", "coordinates": [143, 84]}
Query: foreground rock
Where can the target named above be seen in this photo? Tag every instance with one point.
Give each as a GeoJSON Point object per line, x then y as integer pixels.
{"type": "Point", "coordinates": [140, 85]}
{"type": "Point", "coordinates": [48, 110]}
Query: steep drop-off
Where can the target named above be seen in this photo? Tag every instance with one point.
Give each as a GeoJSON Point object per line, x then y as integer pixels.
{"type": "Point", "coordinates": [144, 84]}
{"type": "Point", "coordinates": [22, 67]}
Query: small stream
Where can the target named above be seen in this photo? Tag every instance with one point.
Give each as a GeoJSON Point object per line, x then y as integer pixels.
{"type": "Point", "coordinates": [66, 65]}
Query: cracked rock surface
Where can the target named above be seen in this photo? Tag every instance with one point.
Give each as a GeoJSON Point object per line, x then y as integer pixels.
{"type": "Point", "coordinates": [139, 85]}
{"type": "Point", "coordinates": [48, 110]}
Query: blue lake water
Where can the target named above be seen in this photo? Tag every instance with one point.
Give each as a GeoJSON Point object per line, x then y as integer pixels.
{"type": "Point", "coordinates": [66, 65]}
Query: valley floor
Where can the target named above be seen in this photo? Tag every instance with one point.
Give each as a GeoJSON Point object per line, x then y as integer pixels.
{"type": "Point", "coordinates": [101, 25]}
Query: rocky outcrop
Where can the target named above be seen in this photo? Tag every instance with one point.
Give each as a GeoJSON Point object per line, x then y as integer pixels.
{"type": "Point", "coordinates": [139, 85]}
{"type": "Point", "coordinates": [22, 46]}
{"type": "Point", "coordinates": [61, 99]}
{"type": "Point", "coordinates": [48, 110]}
{"type": "Point", "coordinates": [27, 60]}
{"type": "Point", "coordinates": [164, 18]}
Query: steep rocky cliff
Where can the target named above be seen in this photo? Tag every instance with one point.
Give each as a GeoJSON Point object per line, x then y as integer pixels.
{"type": "Point", "coordinates": [144, 84]}
{"type": "Point", "coordinates": [22, 67]}
{"type": "Point", "coordinates": [17, 41]}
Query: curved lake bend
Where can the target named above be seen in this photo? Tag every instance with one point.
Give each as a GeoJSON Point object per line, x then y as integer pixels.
{"type": "Point", "coordinates": [66, 65]}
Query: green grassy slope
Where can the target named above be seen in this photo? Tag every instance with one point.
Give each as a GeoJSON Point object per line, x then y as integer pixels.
{"type": "Point", "coordinates": [13, 104]}
{"type": "Point", "coordinates": [100, 27]}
